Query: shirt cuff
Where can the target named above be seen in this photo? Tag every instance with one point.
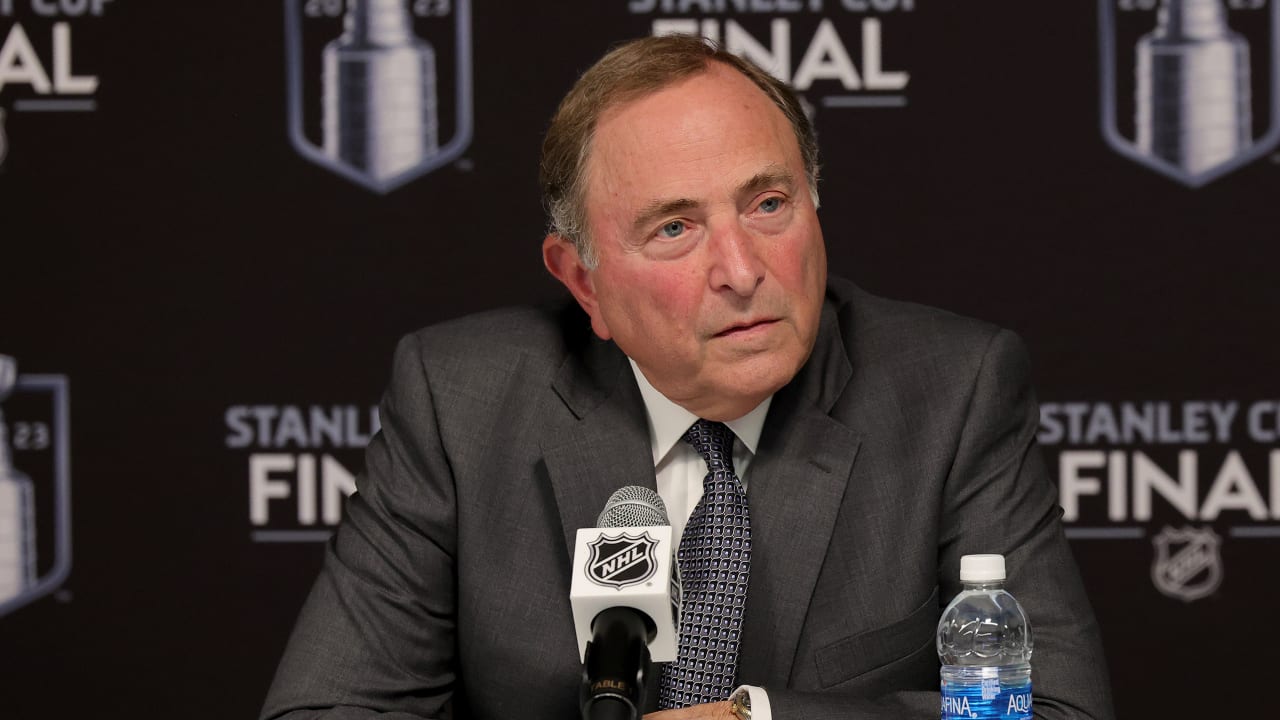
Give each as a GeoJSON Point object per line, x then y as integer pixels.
{"type": "Point", "coordinates": [760, 709]}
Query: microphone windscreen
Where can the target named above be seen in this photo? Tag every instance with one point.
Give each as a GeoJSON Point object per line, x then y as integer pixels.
{"type": "Point", "coordinates": [633, 506]}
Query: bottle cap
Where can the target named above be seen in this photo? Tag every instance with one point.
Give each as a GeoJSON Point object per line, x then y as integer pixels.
{"type": "Point", "coordinates": [981, 568]}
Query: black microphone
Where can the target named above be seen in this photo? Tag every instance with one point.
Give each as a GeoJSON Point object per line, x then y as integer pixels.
{"type": "Point", "coordinates": [625, 600]}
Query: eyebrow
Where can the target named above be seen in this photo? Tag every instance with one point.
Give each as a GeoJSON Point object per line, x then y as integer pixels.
{"type": "Point", "coordinates": [772, 176]}
{"type": "Point", "coordinates": [657, 208]}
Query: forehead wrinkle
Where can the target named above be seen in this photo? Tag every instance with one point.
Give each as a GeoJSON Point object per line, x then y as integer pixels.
{"type": "Point", "coordinates": [626, 144]}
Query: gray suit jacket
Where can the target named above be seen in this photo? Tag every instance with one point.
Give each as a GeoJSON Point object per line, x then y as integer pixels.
{"type": "Point", "coordinates": [906, 441]}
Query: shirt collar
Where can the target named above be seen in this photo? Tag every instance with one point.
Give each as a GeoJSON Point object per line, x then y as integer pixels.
{"type": "Point", "coordinates": [668, 421]}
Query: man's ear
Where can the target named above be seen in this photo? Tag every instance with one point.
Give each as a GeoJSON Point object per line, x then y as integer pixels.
{"type": "Point", "coordinates": [561, 257]}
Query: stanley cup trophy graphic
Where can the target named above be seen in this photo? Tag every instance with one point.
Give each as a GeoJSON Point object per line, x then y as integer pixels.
{"type": "Point", "coordinates": [1193, 102]}
{"type": "Point", "coordinates": [380, 113]}
{"type": "Point", "coordinates": [17, 507]}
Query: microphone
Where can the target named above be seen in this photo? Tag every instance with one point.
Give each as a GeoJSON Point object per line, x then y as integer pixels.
{"type": "Point", "coordinates": [625, 596]}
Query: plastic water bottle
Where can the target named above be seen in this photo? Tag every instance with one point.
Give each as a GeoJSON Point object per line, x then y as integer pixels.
{"type": "Point", "coordinates": [984, 642]}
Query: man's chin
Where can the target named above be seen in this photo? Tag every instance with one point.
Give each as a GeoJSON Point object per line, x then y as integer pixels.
{"type": "Point", "coordinates": [743, 387]}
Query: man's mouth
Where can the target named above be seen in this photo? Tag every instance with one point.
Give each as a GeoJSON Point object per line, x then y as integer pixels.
{"type": "Point", "coordinates": [747, 327]}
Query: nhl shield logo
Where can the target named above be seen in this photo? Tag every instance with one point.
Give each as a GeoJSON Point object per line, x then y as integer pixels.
{"type": "Point", "coordinates": [379, 91]}
{"type": "Point", "coordinates": [35, 486]}
{"type": "Point", "coordinates": [622, 560]}
{"type": "Point", "coordinates": [1185, 83]}
{"type": "Point", "coordinates": [1188, 564]}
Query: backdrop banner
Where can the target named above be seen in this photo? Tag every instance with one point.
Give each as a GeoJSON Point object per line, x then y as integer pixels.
{"type": "Point", "coordinates": [211, 240]}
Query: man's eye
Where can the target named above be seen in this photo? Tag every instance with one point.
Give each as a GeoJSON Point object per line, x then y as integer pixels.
{"type": "Point", "coordinates": [771, 205]}
{"type": "Point", "coordinates": [673, 229]}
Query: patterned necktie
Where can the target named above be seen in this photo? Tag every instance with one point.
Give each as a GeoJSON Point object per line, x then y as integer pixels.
{"type": "Point", "coordinates": [715, 558]}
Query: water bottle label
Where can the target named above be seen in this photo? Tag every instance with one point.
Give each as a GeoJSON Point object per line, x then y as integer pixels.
{"type": "Point", "coordinates": [986, 701]}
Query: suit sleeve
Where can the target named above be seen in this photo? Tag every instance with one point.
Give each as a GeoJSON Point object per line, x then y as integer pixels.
{"type": "Point", "coordinates": [998, 498]}
{"type": "Point", "coordinates": [376, 635]}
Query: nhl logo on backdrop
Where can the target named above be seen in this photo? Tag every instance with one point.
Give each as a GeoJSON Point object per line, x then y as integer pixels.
{"type": "Point", "coordinates": [622, 560]}
{"type": "Point", "coordinates": [1180, 79]}
{"type": "Point", "coordinates": [35, 489]}
{"type": "Point", "coordinates": [1188, 563]}
{"type": "Point", "coordinates": [365, 82]}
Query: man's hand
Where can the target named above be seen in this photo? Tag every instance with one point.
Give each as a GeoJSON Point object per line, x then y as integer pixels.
{"type": "Point", "coordinates": [708, 711]}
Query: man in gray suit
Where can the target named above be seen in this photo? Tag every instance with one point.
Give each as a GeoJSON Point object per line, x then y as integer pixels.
{"type": "Point", "coordinates": [876, 442]}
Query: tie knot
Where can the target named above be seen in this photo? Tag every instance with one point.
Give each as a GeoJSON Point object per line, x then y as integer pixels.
{"type": "Point", "coordinates": [714, 442]}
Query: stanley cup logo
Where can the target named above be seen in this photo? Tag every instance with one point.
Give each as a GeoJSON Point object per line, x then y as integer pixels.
{"type": "Point", "coordinates": [17, 506]}
{"type": "Point", "coordinates": [1195, 84]}
{"type": "Point", "coordinates": [35, 485]}
{"type": "Point", "coordinates": [1193, 96]}
{"type": "Point", "coordinates": [392, 105]}
{"type": "Point", "coordinates": [379, 92]}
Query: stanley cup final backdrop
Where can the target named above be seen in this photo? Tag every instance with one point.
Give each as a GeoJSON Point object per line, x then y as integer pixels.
{"type": "Point", "coordinates": [217, 218]}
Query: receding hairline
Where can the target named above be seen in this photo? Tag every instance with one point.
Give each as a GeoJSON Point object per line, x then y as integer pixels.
{"type": "Point", "coordinates": [771, 174]}
{"type": "Point", "coordinates": [632, 70]}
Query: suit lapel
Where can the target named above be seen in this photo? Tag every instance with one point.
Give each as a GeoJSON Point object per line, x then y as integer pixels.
{"type": "Point", "coordinates": [606, 447]}
{"type": "Point", "coordinates": [796, 484]}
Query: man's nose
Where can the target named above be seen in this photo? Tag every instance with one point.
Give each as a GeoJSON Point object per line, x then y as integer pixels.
{"type": "Point", "coordinates": [735, 260]}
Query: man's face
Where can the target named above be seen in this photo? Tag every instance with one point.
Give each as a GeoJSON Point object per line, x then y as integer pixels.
{"type": "Point", "coordinates": [712, 267]}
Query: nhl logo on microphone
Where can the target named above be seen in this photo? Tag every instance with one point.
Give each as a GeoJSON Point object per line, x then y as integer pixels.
{"type": "Point", "coordinates": [622, 560]}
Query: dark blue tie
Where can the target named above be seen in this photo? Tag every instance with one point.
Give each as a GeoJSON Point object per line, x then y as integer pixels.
{"type": "Point", "coordinates": [715, 559]}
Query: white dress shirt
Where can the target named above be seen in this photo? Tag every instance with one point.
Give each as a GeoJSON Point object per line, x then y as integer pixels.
{"type": "Point", "coordinates": [680, 471]}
